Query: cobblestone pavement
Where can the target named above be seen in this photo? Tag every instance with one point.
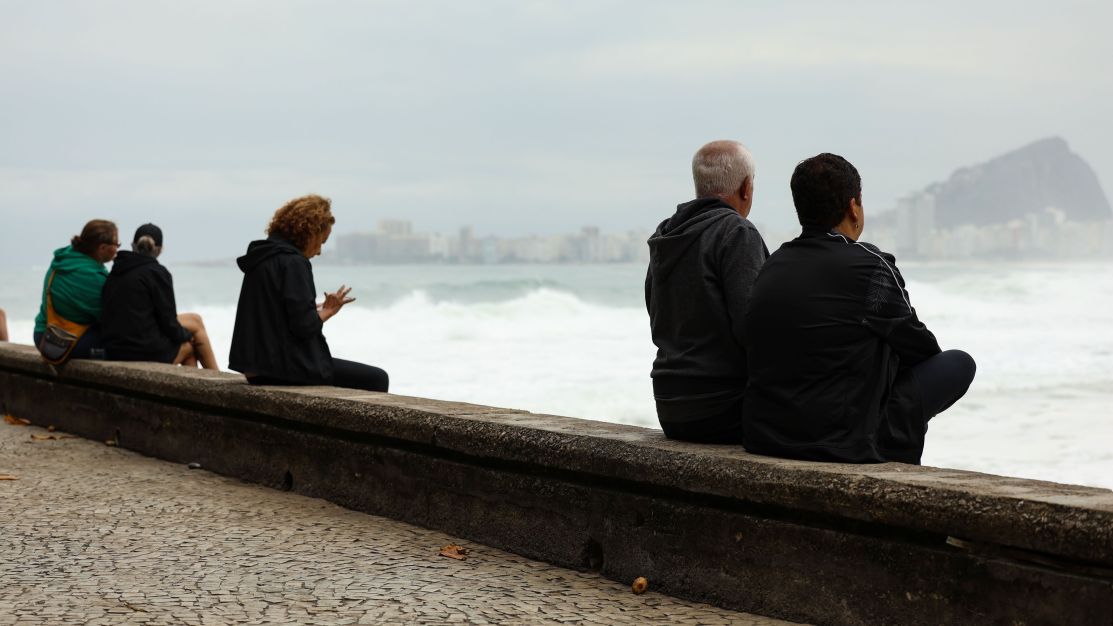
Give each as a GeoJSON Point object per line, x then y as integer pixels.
{"type": "Point", "coordinates": [97, 535]}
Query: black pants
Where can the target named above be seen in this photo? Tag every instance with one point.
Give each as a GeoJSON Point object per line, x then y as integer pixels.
{"type": "Point", "coordinates": [347, 374]}
{"type": "Point", "coordinates": [920, 393]}
{"type": "Point", "coordinates": [719, 400]}
{"type": "Point", "coordinates": [723, 428]}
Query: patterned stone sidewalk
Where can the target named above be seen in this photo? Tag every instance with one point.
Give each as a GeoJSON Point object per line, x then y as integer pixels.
{"type": "Point", "coordinates": [97, 535]}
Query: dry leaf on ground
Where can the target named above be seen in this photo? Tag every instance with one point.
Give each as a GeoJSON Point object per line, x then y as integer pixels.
{"type": "Point", "coordinates": [8, 477]}
{"type": "Point", "coordinates": [454, 551]}
{"type": "Point", "coordinates": [640, 585]}
{"type": "Point", "coordinates": [49, 437]}
{"type": "Point", "coordinates": [16, 421]}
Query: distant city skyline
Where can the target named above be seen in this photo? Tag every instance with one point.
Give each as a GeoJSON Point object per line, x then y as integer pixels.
{"type": "Point", "coordinates": [911, 232]}
{"type": "Point", "coordinates": [1039, 201]}
{"type": "Point", "coordinates": [512, 117]}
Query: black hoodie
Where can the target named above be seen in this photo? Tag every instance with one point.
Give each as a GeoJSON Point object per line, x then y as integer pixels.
{"type": "Point", "coordinates": [829, 327]}
{"type": "Point", "coordinates": [278, 330]}
{"type": "Point", "coordinates": [702, 263]}
{"type": "Point", "coordinates": [139, 320]}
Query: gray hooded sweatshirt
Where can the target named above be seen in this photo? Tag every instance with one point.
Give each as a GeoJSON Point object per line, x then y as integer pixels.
{"type": "Point", "coordinates": [702, 263]}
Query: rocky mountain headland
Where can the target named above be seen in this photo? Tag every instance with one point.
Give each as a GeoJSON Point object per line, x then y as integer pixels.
{"type": "Point", "coordinates": [1039, 200]}
{"type": "Point", "coordinates": [1041, 175]}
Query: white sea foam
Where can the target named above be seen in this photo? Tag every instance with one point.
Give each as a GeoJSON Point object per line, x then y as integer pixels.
{"type": "Point", "coordinates": [547, 351]}
{"type": "Point", "coordinates": [1026, 331]}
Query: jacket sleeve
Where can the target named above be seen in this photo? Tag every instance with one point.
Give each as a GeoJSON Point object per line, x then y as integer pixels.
{"type": "Point", "coordinates": [889, 313]}
{"type": "Point", "coordinates": [166, 310]}
{"type": "Point", "coordinates": [299, 299]}
{"type": "Point", "coordinates": [743, 252]}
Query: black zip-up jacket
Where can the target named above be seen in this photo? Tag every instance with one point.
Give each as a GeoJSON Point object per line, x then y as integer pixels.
{"type": "Point", "coordinates": [828, 327]}
{"type": "Point", "coordinates": [139, 319]}
{"type": "Point", "coordinates": [702, 263]}
{"type": "Point", "coordinates": [278, 330]}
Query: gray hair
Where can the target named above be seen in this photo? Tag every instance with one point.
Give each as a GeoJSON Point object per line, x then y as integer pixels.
{"type": "Point", "coordinates": [720, 167]}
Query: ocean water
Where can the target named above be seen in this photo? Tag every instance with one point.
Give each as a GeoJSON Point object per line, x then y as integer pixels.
{"type": "Point", "coordinates": [574, 340]}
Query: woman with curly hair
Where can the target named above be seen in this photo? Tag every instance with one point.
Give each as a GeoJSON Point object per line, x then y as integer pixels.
{"type": "Point", "coordinates": [277, 338]}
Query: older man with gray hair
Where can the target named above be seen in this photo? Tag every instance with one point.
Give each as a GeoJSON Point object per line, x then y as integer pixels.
{"type": "Point", "coordinates": [702, 263]}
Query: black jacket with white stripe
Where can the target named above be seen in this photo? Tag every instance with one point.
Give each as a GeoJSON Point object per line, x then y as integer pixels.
{"type": "Point", "coordinates": [829, 325]}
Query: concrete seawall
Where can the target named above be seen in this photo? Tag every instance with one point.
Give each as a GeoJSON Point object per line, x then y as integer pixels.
{"type": "Point", "coordinates": [822, 543]}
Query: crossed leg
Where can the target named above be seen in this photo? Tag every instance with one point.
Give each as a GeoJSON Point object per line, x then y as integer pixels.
{"type": "Point", "coordinates": [185, 355]}
{"type": "Point", "coordinates": [197, 350]}
{"type": "Point", "coordinates": [920, 393]}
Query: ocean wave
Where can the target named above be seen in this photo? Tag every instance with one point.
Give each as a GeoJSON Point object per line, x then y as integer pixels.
{"type": "Point", "coordinates": [522, 349]}
{"type": "Point", "coordinates": [546, 351]}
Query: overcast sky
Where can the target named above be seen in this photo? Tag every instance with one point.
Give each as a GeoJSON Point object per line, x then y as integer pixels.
{"type": "Point", "coordinates": [514, 117]}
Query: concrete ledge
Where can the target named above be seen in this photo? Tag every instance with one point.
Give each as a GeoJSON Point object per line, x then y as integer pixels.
{"type": "Point", "coordinates": [811, 542]}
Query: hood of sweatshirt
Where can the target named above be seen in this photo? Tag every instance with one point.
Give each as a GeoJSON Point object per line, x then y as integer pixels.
{"type": "Point", "coordinates": [128, 261]}
{"type": "Point", "coordinates": [263, 249]}
{"type": "Point", "coordinates": [675, 235]}
{"type": "Point", "coordinates": [70, 261]}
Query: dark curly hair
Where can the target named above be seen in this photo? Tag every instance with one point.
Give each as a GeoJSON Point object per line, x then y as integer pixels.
{"type": "Point", "coordinates": [302, 219]}
{"type": "Point", "coordinates": [822, 188]}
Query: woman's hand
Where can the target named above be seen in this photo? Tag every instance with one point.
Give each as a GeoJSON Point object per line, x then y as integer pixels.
{"type": "Point", "coordinates": [334, 302]}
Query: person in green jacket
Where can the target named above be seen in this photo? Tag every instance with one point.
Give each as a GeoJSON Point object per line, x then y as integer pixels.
{"type": "Point", "coordinates": [79, 276]}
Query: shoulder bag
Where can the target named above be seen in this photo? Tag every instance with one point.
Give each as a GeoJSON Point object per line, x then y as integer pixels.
{"type": "Point", "coordinates": [61, 335]}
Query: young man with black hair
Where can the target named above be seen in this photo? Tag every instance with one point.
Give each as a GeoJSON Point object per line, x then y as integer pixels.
{"type": "Point", "coordinates": [841, 368]}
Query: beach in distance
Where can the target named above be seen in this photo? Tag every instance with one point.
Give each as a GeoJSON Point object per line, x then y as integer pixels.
{"type": "Point", "coordinates": [574, 340]}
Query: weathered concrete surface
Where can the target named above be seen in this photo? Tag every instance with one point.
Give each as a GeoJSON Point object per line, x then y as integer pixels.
{"type": "Point", "coordinates": [805, 541]}
{"type": "Point", "coordinates": [98, 535]}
